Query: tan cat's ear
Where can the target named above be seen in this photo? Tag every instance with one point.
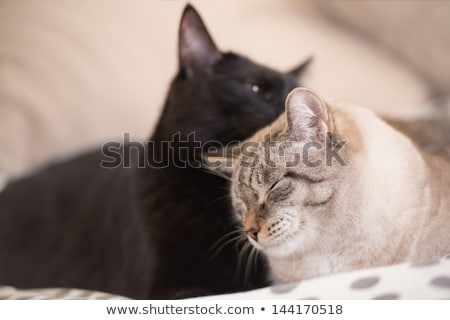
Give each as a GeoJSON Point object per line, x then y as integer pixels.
{"type": "Point", "coordinates": [308, 118]}
{"type": "Point", "coordinates": [196, 49]}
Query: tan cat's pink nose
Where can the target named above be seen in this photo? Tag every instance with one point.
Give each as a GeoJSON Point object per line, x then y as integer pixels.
{"type": "Point", "coordinates": [253, 233]}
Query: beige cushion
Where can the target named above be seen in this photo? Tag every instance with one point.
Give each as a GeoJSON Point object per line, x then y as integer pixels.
{"type": "Point", "coordinates": [418, 32]}
{"type": "Point", "coordinates": [76, 73]}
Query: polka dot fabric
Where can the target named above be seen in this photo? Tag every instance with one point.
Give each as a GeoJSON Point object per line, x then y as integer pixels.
{"type": "Point", "coordinates": [10, 293]}
{"type": "Point", "coordinates": [418, 281]}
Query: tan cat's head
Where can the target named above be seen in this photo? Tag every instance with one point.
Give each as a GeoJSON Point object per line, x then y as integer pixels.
{"type": "Point", "coordinates": [288, 178]}
{"type": "Point", "coordinates": [331, 187]}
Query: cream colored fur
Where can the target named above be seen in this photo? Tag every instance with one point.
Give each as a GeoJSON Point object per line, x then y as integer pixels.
{"type": "Point", "coordinates": [390, 203]}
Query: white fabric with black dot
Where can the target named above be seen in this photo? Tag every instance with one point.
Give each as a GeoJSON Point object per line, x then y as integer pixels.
{"type": "Point", "coordinates": [416, 281]}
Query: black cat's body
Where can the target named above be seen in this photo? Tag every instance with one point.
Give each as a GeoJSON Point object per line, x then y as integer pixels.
{"type": "Point", "coordinates": [74, 225]}
{"type": "Point", "coordinates": [147, 232]}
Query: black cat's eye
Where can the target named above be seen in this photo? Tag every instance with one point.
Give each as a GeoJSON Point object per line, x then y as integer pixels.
{"type": "Point", "coordinates": [253, 87]}
{"type": "Point", "coordinates": [259, 90]}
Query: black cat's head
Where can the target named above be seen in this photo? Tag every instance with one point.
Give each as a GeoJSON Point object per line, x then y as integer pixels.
{"type": "Point", "coordinates": [220, 96]}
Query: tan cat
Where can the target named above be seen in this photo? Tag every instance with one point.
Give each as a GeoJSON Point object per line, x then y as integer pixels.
{"type": "Point", "coordinates": [335, 188]}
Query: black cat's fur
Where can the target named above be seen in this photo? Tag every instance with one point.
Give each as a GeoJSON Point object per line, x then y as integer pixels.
{"type": "Point", "coordinates": [146, 232]}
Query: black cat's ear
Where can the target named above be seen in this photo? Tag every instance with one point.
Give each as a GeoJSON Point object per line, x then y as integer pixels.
{"type": "Point", "coordinates": [297, 71]}
{"type": "Point", "coordinates": [196, 49]}
{"type": "Point", "coordinates": [308, 118]}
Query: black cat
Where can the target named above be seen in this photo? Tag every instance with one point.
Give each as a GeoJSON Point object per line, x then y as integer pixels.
{"type": "Point", "coordinates": [147, 232]}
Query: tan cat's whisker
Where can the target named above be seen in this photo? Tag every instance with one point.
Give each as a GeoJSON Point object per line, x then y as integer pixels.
{"type": "Point", "coordinates": [218, 246]}
{"type": "Point", "coordinates": [224, 197]}
{"type": "Point", "coordinates": [216, 173]}
{"type": "Point", "coordinates": [225, 236]}
{"type": "Point", "coordinates": [250, 261]}
{"type": "Point", "coordinates": [243, 258]}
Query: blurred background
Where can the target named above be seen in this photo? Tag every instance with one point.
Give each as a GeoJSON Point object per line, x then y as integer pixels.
{"type": "Point", "coordinates": [74, 74]}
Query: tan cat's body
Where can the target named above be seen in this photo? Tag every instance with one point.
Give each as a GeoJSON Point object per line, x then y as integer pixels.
{"type": "Point", "coordinates": [389, 203]}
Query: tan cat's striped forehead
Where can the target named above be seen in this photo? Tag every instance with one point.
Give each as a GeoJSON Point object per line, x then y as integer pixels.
{"type": "Point", "coordinates": [271, 153]}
